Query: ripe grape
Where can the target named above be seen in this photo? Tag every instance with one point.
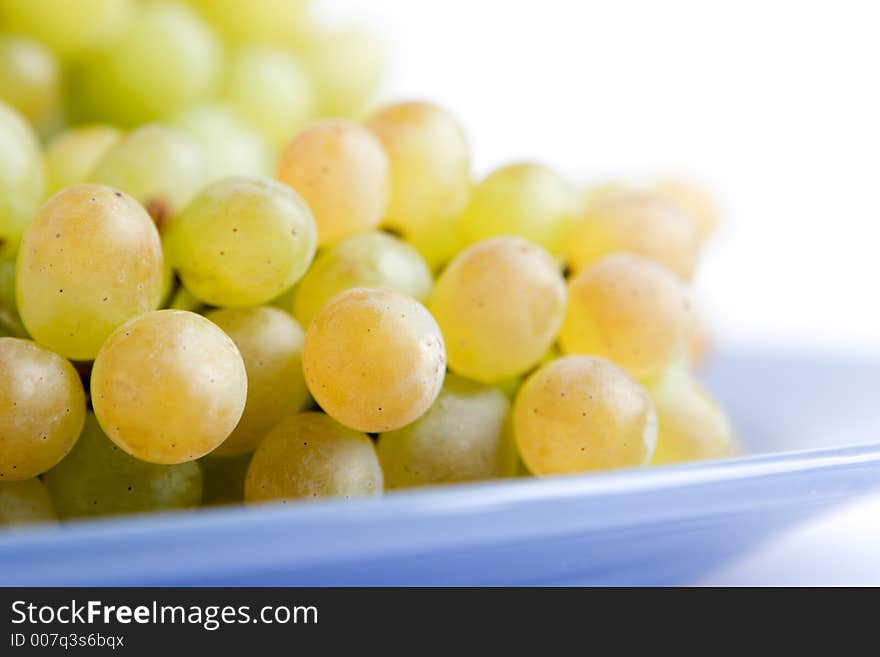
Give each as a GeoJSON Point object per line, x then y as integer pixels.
{"type": "Point", "coordinates": [500, 304]}
{"type": "Point", "coordinates": [374, 359]}
{"type": "Point", "coordinates": [22, 178]}
{"type": "Point", "coordinates": [311, 455]}
{"type": "Point", "coordinates": [371, 259]}
{"type": "Point", "coordinates": [463, 437]}
{"type": "Point", "coordinates": [10, 322]}
{"type": "Point", "coordinates": [25, 502]}
{"type": "Point", "coordinates": [580, 413]}
{"type": "Point", "coordinates": [284, 22]}
{"type": "Point", "coordinates": [341, 170]}
{"type": "Point", "coordinates": [224, 478]}
{"type": "Point", "coordinates": [29, 78]}
{"type": "Point", "coordinates": [168, 386]}
{"type": "Point", "coordinates": [99, 479]}
{"type": "Point", "coordinates": [270, 343]}
{"type": "Point", "coordinates": [242, 241]}
{"type": "Point", "coordinates": [691, 199]}
{"type": "Point", "coordinates": [73, 154]}
{"type": "Point", "coordinates": [42, 409]}
{"type": "Point", "coordinates": [630, 310]}
{"type": "Point", "coordinates": [90, 261]}
{"type": "Point", "coordinates": [528, 200]}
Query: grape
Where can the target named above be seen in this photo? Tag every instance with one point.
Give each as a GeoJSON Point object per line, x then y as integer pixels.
{"type": "Point", "coordinates": [500, 304]}
{"type": "Point", "coordinates": [580, 413]}
{"type": "Point", "coordinates": [630, 310]}
{"type": "Point", "coordinates": [224, 479]}
{"type": "Point", "coordinates": [461, 438]}
{"type": "Point", "coordinates": [346, 66]}
{"type": "Point", "coordinates": [242, 241]}
{"type": "Point", "coordinates": [430, 174]}
{"type": "Point", "coordinates": [73, 154]}
{"type": "Point", "coordinates": [637, 223]}
{"type": "Point", "coordinates": [167, 61]}
{"type": "Point", "coordinates": [22, 178]}
{"type": "Point", "coordinates": [25, 502]}
{"type": "Point", "coordinates": [231, 145]}
{"type": "Point", "coordinates": [371, 259]}
{"type": "Point", "coordinates": [168, 386]}
{"type": "Point", "coordinates": [528, 200]}
{"type": "Point", "coordinates": [270, 343]}
{"type": "Point", "coordinates": [42, 409]}
{"type": "Point", "coordinates": [374, 359]}
{"type": "Point", "coordinates": [70, 28]}
{"type": "Point", "coordinates": [10, 322]}
{"type": "Point", "coordinates": [99, 479]}
{"type": "Point", "coordinates": [90, 261]}
{"type": "Point", "coordinates": [271, 88]}
{"type": "Point", "coordinates": [284, 22]}
{"type": "Point", "coordinates": [692, 426]}
{"type": "Point", "coordinates": [341, 171]}
{"type": "Point", "coordinates": [311, 455]}
{"type": "Point", "coordinates": [29, 78]}
{"type": "Point", "coordinates": [161, 167]}
{"type": "Point", "coordinates": [691, 199]}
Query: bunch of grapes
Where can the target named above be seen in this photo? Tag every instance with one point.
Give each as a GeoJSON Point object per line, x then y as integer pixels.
{"type": "Point", "coordinates": [224, 277]}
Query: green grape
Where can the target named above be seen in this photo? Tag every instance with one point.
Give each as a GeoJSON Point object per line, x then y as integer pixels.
{"type": "Point", "coordinates": [168, 386]}
{"type": "Point", "coordinates": [271, 88]}
{"type": "Point", "coordinates": [90, 261]}
{"type": "Point", "coordinates": [310, 455]}
{"type": "Point", "coordinates": [528, 200]}
{"type": "Point", "coordinates": [167, 61]}
{"type": "Point", "coordinates": [346, 66]}
{"type": "Point", "coordinates": [29, 78]}
{"type": "Point", "coordinates": [341, 170]}
{"type": "Point", "coordinates": [25, 502]}
{"type": "Point", "coordinates": [691, 199]}
{"type": "Point", "coordinates": [270, 343]}
{"type": "Point", "coordinates": [374, 359]}
{"type": "Point", "coordinates": [461, 438]}
{"type": "Point", "coordinates": [500, 304]}
{"type": "Point", "coordinates": [580, 413]}
{"type": "Point", "coordinates": [692, 426]}
{"type": "Point", "coordinates": [231, 145]}
{"type": "Point", "coordinates": [630, 310]}
{"type": "Point", "coordinates": [73, 154]}
{"type": "Point", "coordinates": [99, 479]}
{"type": "Point", "coordinates": [430, 174]}
{"type": "Point", "coordinates": [70, 28]}
{"type": "Point", "coordinates": [9, 318]}
{"type": "Point", "coordinates": [371, 259]}
{"type": "Point", "coordinates": [284, 22]}
{"type": "Point", "coordinates": [22, 178]}
{"type": "Point", "coordinates": [636, 223]}
{"type": "Point", "coordinates": [242, 241]}
{"type": "Point", "coordinates": [161, 167]}
{"type": "Point", "coordinates": [224, 479]}
{"type": "Point", "coordinates": [42, 409]}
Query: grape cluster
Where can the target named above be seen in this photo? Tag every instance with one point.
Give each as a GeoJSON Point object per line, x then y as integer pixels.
{"type": "Point", "coordinates": [225, 277]}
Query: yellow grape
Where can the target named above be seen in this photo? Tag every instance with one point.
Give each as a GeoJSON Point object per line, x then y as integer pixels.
{"type": "Point", "coordinates": [341, 170]}
{"type": "Point", "coordinates": [374, 359]}
{"type": "Point", "coordinates": [284, 22]}
{"type": "Point", "coordinates": [42, 409]}
{"type": "Point", "coordinates": [463, 437]}
{"type": "Point", "coordinates": [74, 153]}
{"type": "Point", "coordinates": [25, 502]}
{"type": "Point", "coordinates": [630, 310]}
{"type": "Point", "coordinates": [580, 413]}
{"type": "Point", "coordinates": [22, 178]}
{"type": "Point", "coordinates": [371, 259]}
{"type": "Point", "coordinates": [168, 386]}
{"type": "Point", "coordinates": [270, 342]}
{"type": "Point", "coordinates": [29, 78]}
{"type": "Point", "coordinates": [242, 241]}
{"type": "Point", "coordinates": [500, 304]}
{"type": "Point", "coordinates": [310, 455]}
{"type": "Point", "coordinates": [693, 200]}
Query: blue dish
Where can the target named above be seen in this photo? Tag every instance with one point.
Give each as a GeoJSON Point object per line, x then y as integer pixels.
{"type": "Point", "coordinates": [801, 419]}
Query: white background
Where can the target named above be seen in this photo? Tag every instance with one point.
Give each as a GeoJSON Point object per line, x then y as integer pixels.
{"type": "Point", "coordinates": [774, 104]}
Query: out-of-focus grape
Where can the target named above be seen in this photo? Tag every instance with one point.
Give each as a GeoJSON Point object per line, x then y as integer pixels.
{"type": "Point", "coordinates": [184, 403]}
{"type": "Point", "coordinates": [242, 241]}
{"type": "Point", "coordinates": [10, 322]}
{"type": "Point", "coordinates": [461, 438]}
{"type": "Point", "coordinates": [224, 479]}
{"type": "Point", "coordinates": [25, 502]}
{"type": "Point", "coordinates": [90, 260]}
{"type": "Point", "coordinates": [374, 359]}
{"type": "Point", "coordinates": [371, 259]}
{"type": "Point", "coordinates": [42, 409]}
{"type": "Point", "coordinates": [22, 178]}
{"type": "Point", "coordinates": [580, 413]}
{"type": "Point", "coordinates": [341, 170]}
{"type": "Point", "coordinates": [97, 478]}
{"type": "Point", "coordinates": [74, 153]}
{"type": "Point", "coordinates": [29, 78]}
{"type": "Point", "coordinates": [692, 199]}
{"type": "Point", "coordinates": [284, 22]}
{"type": "Point", "coordinates": [500, 304]}
{"type": "Point", "coordinates": [310, 455]}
